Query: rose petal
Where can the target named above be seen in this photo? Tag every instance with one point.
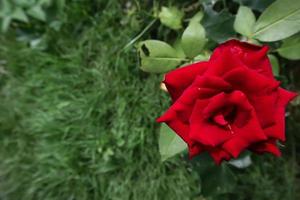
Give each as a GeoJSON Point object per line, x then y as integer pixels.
{"type": "Point", "coordinates": [195, 149]}
{"type": "Point", "coordinates": [223, 63]}
{"type": "Point", "coordinates": [180, 128]}
{"type": "Point", "coordinates": [265, 107]}
{"type": "Point", "coordinates": [266, 147]}
{"type": "Point", "coordinates": [179, 79]}
{"type": "Point", "coordinates": [183, 104]}
{"type": "Point", "coordinates": [236, 81]}
{"type": "Point", "coordinates": [244, 131]}
{"type": "Point", "coordinates": [202, 87]}
{"type": "Point", "coordinates": [277, 130]}
{"type": "Point", "coordinates": [219, 119]}
{"type": "Point", "coordinates": [219, 155]}
{"type": "Point", "coordinates": [235, 99]}
{"type": "Point", "coordinates": [249, 81]}
{"type": "Point", "coordinates": [204, 132]}
{"type": "Point", "coordinates": [212, 82]}
{"type": "Point", "coordinates": [253, 56]}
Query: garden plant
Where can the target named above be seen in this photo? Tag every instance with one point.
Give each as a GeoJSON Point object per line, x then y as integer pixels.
{"type": "Point", "coordinates": [138, 100]}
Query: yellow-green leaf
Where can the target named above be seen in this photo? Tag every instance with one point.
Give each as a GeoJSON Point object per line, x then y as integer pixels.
{"type": "Point", "coordinates": [157, 56]}
{"type": "Point", "coordinates": [197, 17]}
{"type": "Point", "coordinates": [171, 17]}
{"type": "Point", "coordinates": [244, 21]}
{"type": "Point", "coordinates": [193, 39]}
{"type": "Point", "coordinates": [170, 143]}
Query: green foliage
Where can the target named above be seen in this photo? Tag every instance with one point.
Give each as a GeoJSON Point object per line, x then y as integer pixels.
{"type": "Point", "coordinates": [278, 21]}
{"type": "Point", "coordinates": [244, 21]}
{"type": "Point", "coordinates": [77, 119]}
{"type": "Point", "coordinates": [259, 5]}
{"type": "Point", "coordinates": [170, 143]}
{"type": "Point", "coordinates": [171, 17]}
{"type": "Point", "coordinates": [290, 48]}
{"type": "Point", "coordinates": [193, 39]}
{"type": "Point", "coordinates": [23, 10]}
{"type": "Point", "coordinates": [37, 12]}
{"type": "Point", "coordinates": [197, 17]}
{"type": "Point", "coordinates": [77, 116]}
{"type": "Point", "coordinates": [202, 57]}
{"type": "Point", "coordinates": [222, 22]}
{"type": "Point", "coordinates": [215, 180]}
{"type": "Point", "coordinates": [265, 177]}
{"type": "Point", "coordinates": [157, 56]}
{"type": "Point", "coordinates": [275, 64]}
{"type": "Point", "coordinates": [218, 25]}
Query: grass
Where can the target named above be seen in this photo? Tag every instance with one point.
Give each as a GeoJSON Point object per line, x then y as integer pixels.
{"type": "Point", "coordinates": [77, 120]}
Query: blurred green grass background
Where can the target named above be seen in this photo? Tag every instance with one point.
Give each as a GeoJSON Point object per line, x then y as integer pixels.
{"type": "Point", "coordinates": [77, 121]}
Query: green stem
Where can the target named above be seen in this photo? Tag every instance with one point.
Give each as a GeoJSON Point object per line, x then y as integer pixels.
{"type": "Point", "coordinates": [139, 35]}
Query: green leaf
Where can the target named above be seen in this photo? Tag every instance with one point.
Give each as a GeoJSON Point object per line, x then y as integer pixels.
{"type": "Point", "coordinates": [157, 56]}
{"type": "Point", "coordinates": [290, 48]}
{"type": "Point", "coordinates": [5, 22]}
{"type": "Point", "coordinates": [218, 26]}
{"type": "Point", "coordinates": [38, 43]}
{"type": "Point", "coordinates": [244, 21]}
{"type": "Point", "coordinates": [178, 48]}
{"type": "Point", "coordinates": [37, 12]}
{"type": "Point", "coordinates": [56, 25]}
{"type": "Point", "coordinates": [171, 17]}
{"type": "Point", "coordinates": [60, 5]}
{"type": "Point", "coordinates": [45, 3]}
{"type": "Point", "coordinates": [218, 180]}
{"type": "Point", "coordinates": [278, 21]}
{"type": "Point", "coordinates": [275, 64]}
{"type": "Point", "coordinates": [25, 3]}
{"type": "Point", "coordinates": [215, 179]}
{"type": "Point", "coordinates": [197, 17]}
{"type": "Point", "coordinates": [202, 57]}
{"type": "Point", "coordinates": [259, 5]}
{"type": "Point", "coordinates": [170, 143]}
{"type": "Point", "coordinates": [6, 8]}
{"type": "Point", "coordinates": [19, 14]}
{"type": "Point", "coordinates": [193, 39]}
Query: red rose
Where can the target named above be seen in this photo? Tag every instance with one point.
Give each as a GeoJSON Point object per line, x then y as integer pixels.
{"type": "Point", "coordinates": [228, 104]}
